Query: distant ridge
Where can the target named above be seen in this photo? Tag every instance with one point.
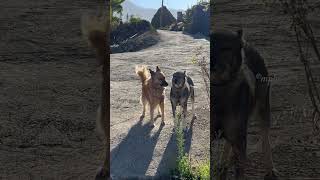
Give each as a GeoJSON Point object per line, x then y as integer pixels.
{"type": "Point", "coordinates": [144, 13]}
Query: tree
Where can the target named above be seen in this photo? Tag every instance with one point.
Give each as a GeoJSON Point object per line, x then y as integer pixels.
{"type": "Point", "coordinates": [116, 6]}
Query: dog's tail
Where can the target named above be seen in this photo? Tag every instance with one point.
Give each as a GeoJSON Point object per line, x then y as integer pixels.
{"type": "Point", "coordinates": [94, 30]}
{"type": "Point", "coordinates": [143, 73]}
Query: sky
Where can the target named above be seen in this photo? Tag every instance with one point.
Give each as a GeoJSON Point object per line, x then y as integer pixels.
{"type": "Point", "coordinates": [172, 4]}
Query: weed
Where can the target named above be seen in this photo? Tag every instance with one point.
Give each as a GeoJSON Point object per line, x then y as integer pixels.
{"type": "Point", "coordinates": [184, 168]}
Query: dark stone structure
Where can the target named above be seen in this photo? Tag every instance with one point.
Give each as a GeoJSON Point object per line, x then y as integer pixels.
{"type": "Point", "coordinates": [167, 18]}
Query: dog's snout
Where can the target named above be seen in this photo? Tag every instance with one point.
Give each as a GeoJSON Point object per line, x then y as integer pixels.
{"type": "Point", "coordinates": [164, 83]}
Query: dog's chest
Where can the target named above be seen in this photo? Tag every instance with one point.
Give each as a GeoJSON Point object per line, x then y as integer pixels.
{"type": "Point", "coordinates": [180, 95]}
{"type": "Point", "coordinates": [158, 93]}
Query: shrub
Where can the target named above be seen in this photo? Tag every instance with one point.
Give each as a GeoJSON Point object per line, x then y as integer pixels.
{"type": "Point", "coordinates": [124, 31]}
{"type": "Point", "coordinates": [202, 171]}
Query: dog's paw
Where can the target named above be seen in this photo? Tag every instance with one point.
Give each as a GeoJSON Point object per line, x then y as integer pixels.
{"type": "Point", "coordinates": [273, 175]}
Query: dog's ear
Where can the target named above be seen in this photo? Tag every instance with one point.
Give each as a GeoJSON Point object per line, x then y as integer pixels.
{"type": "Point", "coordinates": [184, 72]}
{"type": "Point", "coordinates": [158, 69]}
{"type": "Point", "coordinates": [151, 72]}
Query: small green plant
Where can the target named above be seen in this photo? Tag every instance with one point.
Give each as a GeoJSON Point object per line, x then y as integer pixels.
{"type": "Point", "coordinates": [184, 168]}
{"type": "Point", "coordinates": [183, 163]}
{"type": "Point", "coordinates": [202, 171]}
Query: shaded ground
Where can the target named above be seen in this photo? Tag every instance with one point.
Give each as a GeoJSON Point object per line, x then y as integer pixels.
{"type": "Point", "coordinates": [296, 151]}
{"type": "Point", "coordinates": [136, 149]}
{"type": "Point", "coordinates": [48, 92]}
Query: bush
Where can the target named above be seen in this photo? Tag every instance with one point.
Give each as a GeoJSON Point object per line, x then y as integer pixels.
{"type": "Point", "coordinates": [124, 31]}
{"type": "Point", "coordinates": [203, 171]}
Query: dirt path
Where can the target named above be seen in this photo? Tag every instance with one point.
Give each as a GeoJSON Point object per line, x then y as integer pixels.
{"type": "Point", "coordinates": [137, 150]}
{"type": "Point", "coordinates": [296, 151]}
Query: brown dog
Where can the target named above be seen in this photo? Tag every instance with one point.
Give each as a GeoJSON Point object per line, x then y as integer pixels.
{"type": "Point", "coordinates": [153, 88]}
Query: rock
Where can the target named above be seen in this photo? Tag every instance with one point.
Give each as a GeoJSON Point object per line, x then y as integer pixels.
{"type": "Point", "coordinates": [176, 26]}
{"type": "Point", "coordinates": [173, 27]}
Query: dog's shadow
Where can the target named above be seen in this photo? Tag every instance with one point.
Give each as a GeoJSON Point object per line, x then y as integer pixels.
{"type": "Point", "coordinates": [169, 157]}
{"type": "Point", "coordinates": [134, 154]}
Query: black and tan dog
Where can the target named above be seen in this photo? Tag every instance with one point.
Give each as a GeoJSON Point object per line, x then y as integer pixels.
{"type": "Point", "coordinates": [153, 89]}
{"type": "Point", "coordinates": [237, 96]}
{"type": "Point", "coordinates": [182, 89]}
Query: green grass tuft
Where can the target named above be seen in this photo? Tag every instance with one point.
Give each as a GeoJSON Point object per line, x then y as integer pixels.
{"type": "Point", "coordinates": [183, 169]}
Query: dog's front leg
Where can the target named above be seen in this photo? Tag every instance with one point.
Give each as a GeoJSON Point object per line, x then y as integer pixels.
{"type": "Point", "coordinates": [144, 103]}
{"type": "Point", "coordinates": [151, 116]}
{"type": "Point", "coordinates": [173, 105]}
{"type": "Point", "coordinates": [162, 113]}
